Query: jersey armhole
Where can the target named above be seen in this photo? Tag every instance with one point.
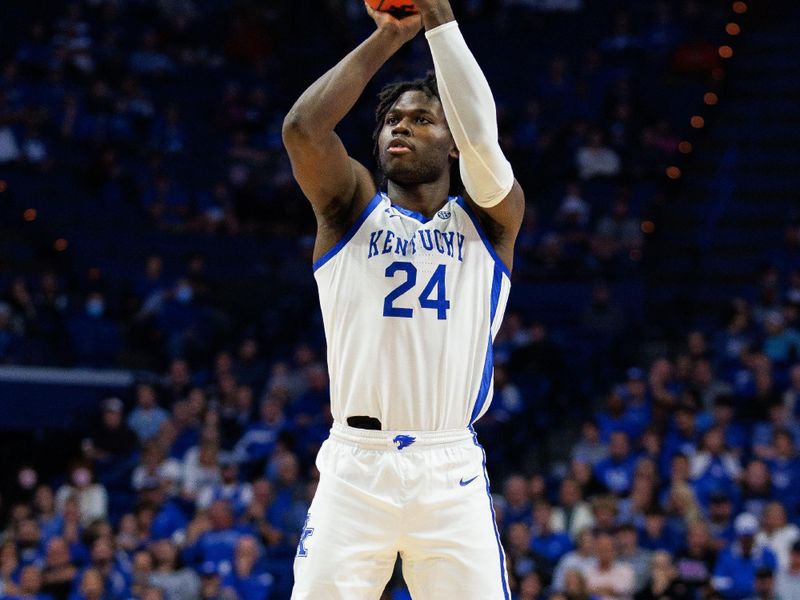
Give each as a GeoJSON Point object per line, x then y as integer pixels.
{"type": "Point", "coordinates": [376, 199]}
{"type": "Point", "coordinates": [479, 228]}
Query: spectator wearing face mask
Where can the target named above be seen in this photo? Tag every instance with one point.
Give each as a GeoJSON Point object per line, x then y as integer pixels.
{"type": "Point", "coordinates": [91, 497]}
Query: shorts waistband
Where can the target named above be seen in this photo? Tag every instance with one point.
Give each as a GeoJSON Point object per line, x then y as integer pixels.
{"type": "Point", "coordinates": [398, 440]}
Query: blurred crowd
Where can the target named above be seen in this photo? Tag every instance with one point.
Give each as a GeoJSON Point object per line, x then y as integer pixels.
{"type": "Point", "coordinates": [146, 134]}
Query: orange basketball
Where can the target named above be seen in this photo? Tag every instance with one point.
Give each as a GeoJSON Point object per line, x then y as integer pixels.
{"type": "Point", "coordinates": [398, 8]}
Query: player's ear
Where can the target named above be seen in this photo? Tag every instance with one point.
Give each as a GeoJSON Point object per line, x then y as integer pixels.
{"type": "Point", "coordinates": [453, 153]}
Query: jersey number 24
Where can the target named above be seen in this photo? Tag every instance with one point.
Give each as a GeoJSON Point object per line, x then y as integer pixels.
{"type": "Point", "coordinates": [436, 285]}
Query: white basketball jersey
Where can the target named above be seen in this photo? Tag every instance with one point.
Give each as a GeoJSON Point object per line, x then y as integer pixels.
{"type": "Point", "coordinates": [411, 306]}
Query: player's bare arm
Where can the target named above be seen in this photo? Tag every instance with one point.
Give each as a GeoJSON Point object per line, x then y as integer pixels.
{"type": "Point", "coordinates": [337, 185]}
{"type": "Point", "coordinates": [490, 185]}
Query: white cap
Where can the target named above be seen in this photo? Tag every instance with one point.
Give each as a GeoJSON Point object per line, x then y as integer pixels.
{"type": "Point", "coordinates": [745, 524]}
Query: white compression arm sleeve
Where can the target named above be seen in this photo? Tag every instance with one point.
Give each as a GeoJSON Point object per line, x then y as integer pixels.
{"type": "Point", "coordinates": [472, 116]}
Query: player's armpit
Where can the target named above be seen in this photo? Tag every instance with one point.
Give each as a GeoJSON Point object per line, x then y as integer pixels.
{"type": "Point", "coordinates": [507, 215]}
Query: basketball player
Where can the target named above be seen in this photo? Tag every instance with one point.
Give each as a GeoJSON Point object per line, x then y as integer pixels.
{"type": "Point", "coordinates": [413, 284]}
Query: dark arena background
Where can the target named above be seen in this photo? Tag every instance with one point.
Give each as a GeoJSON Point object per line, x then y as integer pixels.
{"type": "Point", "coordinates": [161, 345]}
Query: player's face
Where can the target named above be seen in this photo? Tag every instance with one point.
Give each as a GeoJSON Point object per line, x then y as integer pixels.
{"type": "Point", "coordinates": [415, 144]}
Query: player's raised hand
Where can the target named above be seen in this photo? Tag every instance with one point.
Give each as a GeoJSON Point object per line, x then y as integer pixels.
{"type": "Point", "coordinates": [434, 12]}
{"type": "Point", "coordinates": [405, 29]}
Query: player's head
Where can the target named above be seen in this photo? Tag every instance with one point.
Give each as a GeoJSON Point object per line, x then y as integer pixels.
{"type": "Point", "coordinates": [410, 113]}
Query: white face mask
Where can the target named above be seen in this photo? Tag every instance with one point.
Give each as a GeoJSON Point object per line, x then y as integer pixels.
{"type": "Point", "coordinates": [27, 479]}
{"type": "Point", "coordinates": [81, 477]}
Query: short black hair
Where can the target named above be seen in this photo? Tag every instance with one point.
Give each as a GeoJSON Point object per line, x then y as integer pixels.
{"type": "Point", "coordinates": [389, 94]}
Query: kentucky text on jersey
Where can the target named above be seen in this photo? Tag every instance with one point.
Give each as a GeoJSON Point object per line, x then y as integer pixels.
{"type": "Point", "coordinates": [447, 243]}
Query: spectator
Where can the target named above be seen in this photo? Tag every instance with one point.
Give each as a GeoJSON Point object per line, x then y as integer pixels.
{"type": "Point", "coordinates": [579, 559]}
{"type": "Point", "coordinates": [147, 417]}
{"type": "Point", "coordinates": [575, 587]}
{"type": "Point", "coordinates": [616, 471]}
{"type": "Point", "coordinates": [590, 448]}
{"type": "Point", "coordinates": [30, 585]}
{"type": "Point", "coordinates": [630, 553]}
{"type": "Point", "coordinates": [735, 572]}
{"type": "Point", "coordinates": [246, 578]}
{"type": "Point", "coordinates": [609, 578]}
{"type": "Point", "coordinates": [177, 581]}
{"type": "Point", "coordinates": [596, 159]}
{"type": "Point", "coordinates": [572, 514]}
{"type": "Point", "coordinates": [788, 578]}
{"type": "Point", "coordinates": [544, 541]}
{"type": "Point", "coordinates": [777, 533]}
{"type": "Point", "coordinates": [696, 562]}
{"type": "Point", "coordinates": [59, 572]}
{"type": "Point", "coordinates": [237, 494]}
{"type": "Point", "coordinates": [664, 583]}
{"type": "Point", "coordinates": [91, 497]}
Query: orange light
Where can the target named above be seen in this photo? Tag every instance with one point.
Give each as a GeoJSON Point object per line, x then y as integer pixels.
{"type": "Point", "coordinates": [725, 51]}
{"type": "Point", "coordinates": [710, 98]}
{"type": "Point", "coordinates": [29, 215]}
{"type": "Point", "coordinates": [697, 122]}
{"type": "Point", "coordinates": [673, 172]}
{"type": "Point", "coordinates": [648, 227]}
{"type": "Point", "coordinates": [3, 186]}
{"type": "Point", "coordinates": [60, 244]}
{"type": "Point", "coordinates": [685, 147]}
{"type": "Point", "coordinates": [739, 8]}
{"type": "Point", "coordinates": [733, 29]}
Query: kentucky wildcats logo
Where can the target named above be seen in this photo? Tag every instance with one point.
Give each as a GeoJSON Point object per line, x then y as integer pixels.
{"type": "Point", "coordinates": [404, 441]}
{"type": "Point", "coordinates": [307, 533]}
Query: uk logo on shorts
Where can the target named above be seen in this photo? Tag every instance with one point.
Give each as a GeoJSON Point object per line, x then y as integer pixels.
{"type": "Point", "coordinates": [404, 441]}
{"type": "Point", "coordinates": [307, 532]}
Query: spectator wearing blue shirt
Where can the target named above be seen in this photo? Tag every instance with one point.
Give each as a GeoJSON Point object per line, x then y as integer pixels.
{"type": "Point", "coordinates": [756, 488]}
{"type": "Point", "coordinates": [714, 467]}
{"type": "Point", "coordinates": [590, 448]}
{"type": "Point", "coordinates": [147, 417]}
{"type": "Point", "coordinates": [237, 494]}
{"type": "Point", "coordinates": [28, 538]}
{"type": "Point", "coordinates": [546, 542]}
{"type": "Point", "coordinates": [722, 416]}
{"type": "Point", "coordinates": [616, 471]}
{"type": "Point", "coordinates": [248, 578]}
{"type": "Point", "coordinates": [217, 537]}
{"type": "Point", "coordinates": [720, 520]}
{"type": "Point", "coordinates": [735, 572]}
{"type": "Point", "coordinates": [168, 519]}
{"type": "Point", "coordinates": [781, 344]}
{"type": "Point", "coordinates": [259, 439]}
{"type": "Point", "coordinates": [95, 337]}
{"type": "Point", "coordinates": [683, 434]}
{"type": "Point", "coordinates": [637, 411]}
{"type": "Point", "coordinates": [784, 467]}
{"type": "Point", "coordinates": [518, 506]}
{"type": "Point", "coordinates": [615, 417]}
{"type": "Point", "coordinates": [779, 417]}
{"type": "Point", "coordinates": [30, 585]}
{"type": "Point", "coordinates": [115, 580]}
{"type": "Point", "coordinates": [791, 397]}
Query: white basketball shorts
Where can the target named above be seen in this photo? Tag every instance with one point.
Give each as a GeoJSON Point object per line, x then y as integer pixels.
{"type": "Point", "coordinates": [422, 494]}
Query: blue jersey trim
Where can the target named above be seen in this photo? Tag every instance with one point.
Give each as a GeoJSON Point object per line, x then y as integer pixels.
{"type": "Point", "coordinates": [488, 363]}
{"type": "Point", "coordinates": [506, 593]}
{"type": "Point", "coordinates": [477, 224]}
{"type": "Point", "coordinates": [350, 232]}
{"type": "Point", "coordinates": [413, 214]}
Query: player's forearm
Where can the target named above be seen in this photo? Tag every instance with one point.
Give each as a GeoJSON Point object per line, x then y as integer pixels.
{"type": "Point", "coordinates": [323, 105]}
{"type": "Point", "coordinates": [471, 113]}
